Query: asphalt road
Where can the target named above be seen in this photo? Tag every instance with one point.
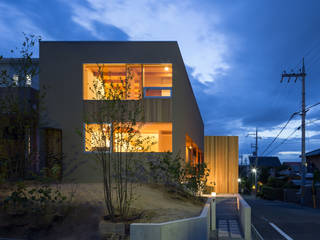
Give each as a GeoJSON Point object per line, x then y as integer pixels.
{"type": "Point", "coordinates": [280, 220]}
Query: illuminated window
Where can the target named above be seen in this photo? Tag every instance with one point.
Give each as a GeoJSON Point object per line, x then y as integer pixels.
{"type": "Point", "coordinates": [193, 154]}
{"type": "Point", "coordinates": [98, 80]}
{"type": "Point", "coordinates": [28, 80]}
{"type": "Point", "coordinates": [15, 79]}
{"type": "Point", "coordinates": [147, 137]}
{"type": "Point", "coordinates": [157, 80]}
{"type": "Point", "coordinates": [97, 137]}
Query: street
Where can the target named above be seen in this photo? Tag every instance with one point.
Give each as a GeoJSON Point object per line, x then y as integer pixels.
{"type": "Point", "coordinates": [281, 220]}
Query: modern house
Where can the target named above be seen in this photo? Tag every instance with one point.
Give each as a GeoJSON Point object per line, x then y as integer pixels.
{"type": "Point", "coordinates": [160, 80]}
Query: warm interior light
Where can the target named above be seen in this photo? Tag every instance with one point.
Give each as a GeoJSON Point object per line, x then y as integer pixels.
{"type": "Point", "coordinates": [253, 187]}
{"type": "Point", "coordinates": [190, 147]}
{"type": "Point", "coordinates": [166, 69]}
{"type": "Point", "coordinates": [213, 194]}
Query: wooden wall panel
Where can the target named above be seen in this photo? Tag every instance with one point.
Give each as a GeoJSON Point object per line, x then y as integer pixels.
{"type": "Point", "coordinates": [221, 157]}
{"type": "Point", "coordinates": [158, 110]}
{"type": "Point", "coordinates": [155, 110]}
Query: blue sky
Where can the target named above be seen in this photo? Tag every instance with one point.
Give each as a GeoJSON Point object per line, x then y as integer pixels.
{"type": "Point", "coordinates": [234, 50]}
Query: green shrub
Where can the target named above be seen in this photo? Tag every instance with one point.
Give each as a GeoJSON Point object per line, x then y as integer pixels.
{"type": "Point", "coordinates": [167, 169]}
{"type": "Point", "coordinates": [196, 177]}
{"type": "Point", "coordinates": [276, 183]}
{"type": "Point", "coordinates": [272, 193]}
{"type": "Point", "coordinates": [37, 199]}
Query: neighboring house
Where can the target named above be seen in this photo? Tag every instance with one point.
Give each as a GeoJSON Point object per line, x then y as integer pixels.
{"type": "Point", "coordinates": [171, 112]}
{"type": "Point", "coordinates": [265, 162]}
{"type": "Point", "coordinates": [19, 132]}
{"type": "Point", "coordinates": [313, 157]}
{"type": "Point", "coordinates": [293, 167]}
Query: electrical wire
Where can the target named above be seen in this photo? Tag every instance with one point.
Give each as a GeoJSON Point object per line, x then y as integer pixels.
{"type": "Point", "coordinates": [286, 139]}
{"type": "Point", "coordinates": [279, 132]}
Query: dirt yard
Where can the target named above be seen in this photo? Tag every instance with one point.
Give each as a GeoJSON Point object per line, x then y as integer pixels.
{"type": "Point", "coordinates": [157, 203]}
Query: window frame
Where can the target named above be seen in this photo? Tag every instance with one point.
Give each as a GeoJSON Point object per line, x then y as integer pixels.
{"type": "Point", "coordinates": [143, 88]}
{"type": "Point", "coordinates": [156, 88]}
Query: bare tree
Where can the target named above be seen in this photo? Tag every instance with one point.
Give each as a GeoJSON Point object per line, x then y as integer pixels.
{"type": "Point", "coordinates": [115, 138]}
{"type": "Point", "coordinates": [18, 115]}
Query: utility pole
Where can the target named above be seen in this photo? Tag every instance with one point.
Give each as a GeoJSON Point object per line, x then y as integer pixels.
{"type": "Point", "coordinates": [302, 74]}
{"type": "Point", "coordinates": [255, 168]}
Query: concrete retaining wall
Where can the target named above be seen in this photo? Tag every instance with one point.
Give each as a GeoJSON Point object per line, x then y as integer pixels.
{"type": "Point", "coordinates": [184, 229]}
{"type": "Point", "coordinates": [244, 211]}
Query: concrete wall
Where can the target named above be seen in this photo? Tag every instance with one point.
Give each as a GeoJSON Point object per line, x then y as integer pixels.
{"type": "Point", "coordinates": [61, 70]}
{"type": "Point", "coordinates": [244, 211]}
{"type": "Point", "coordinates": [185, 229]}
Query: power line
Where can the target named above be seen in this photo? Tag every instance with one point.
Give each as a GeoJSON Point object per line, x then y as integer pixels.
{"type": "Point", "coordinates": [316, 104]}
{"type": "Point", "coordinates": [270, 144]}
{"type": "Point", "coordinates": [286, 139]}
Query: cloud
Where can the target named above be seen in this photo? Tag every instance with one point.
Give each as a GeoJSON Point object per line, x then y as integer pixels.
{"type": "Point", "coordinates": [290, 130]}
{"type": "Point", "coordinates": [13, 22]}
{"type": "Point", "coordinates": [203, 47]}
{"type": "Point", "coordinates": [289, 153]}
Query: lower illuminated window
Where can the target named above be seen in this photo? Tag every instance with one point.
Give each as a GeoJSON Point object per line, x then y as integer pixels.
{"type": "Point", "coordinates": [193, 154]}
{"type": "Point", "coordinates": [97, 137]}
{"type": "Point", "coordinates": [146, 137]}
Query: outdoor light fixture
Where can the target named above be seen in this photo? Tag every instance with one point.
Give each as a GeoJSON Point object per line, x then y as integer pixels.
{"type": "Point", "coordinates": [166, 69]}
{"type": "Point", "coordinates": [254, 170]}
{"type": "Point", "coordinates": [239, 179]}
{"type": "Point", "coordinates": [213, 194]}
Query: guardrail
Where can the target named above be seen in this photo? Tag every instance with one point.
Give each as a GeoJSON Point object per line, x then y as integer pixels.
{"type": "Point", "coordinates": [244, 211]}
{"type": "Point", "coordinates": [184, 229]}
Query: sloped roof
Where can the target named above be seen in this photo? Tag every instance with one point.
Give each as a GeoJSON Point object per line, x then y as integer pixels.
{"type": "Point", "coordinates": [292, 163]}
{"type": "Point", "coordinates": [265, 161]}
{"type": "Point", "coordinates": [313, 153]}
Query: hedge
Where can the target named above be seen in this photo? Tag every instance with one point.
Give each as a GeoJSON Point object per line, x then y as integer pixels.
{"type": "Point", "coordinates": [271, 193]}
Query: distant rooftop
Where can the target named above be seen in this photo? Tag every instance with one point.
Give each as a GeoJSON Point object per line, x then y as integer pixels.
{"type": "Point", "coordinates": [265, 161]}
{"type": "Point", "coordinates": [17, 60]}
{"type": "Point", "coordinates": [313, 153]}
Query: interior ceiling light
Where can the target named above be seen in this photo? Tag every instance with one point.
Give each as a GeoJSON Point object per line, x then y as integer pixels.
{"type": "Point", "coordinates": [166, 68]}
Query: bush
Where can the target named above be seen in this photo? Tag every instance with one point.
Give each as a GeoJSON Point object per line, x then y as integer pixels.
{"type": "Point", "coordinates": [35, 200]}
{"type": "Point", "coordinates": [290, 185]}
{"type": "Point", "coordinates": [272, 193]}
{"type": "Point", "coordinates": [196, 177]}
{"type": "Point", "coordinates": [276, 183]}
{"type": "Point", "coordinates": [167, 169]}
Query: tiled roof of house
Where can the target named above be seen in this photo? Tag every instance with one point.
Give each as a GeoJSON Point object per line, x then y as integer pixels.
{"type": "Point", "coordinates": [265, 161]}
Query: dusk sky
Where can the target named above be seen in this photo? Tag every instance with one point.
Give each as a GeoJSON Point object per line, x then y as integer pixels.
{"type": "Point", "coordinates": [234, 50]}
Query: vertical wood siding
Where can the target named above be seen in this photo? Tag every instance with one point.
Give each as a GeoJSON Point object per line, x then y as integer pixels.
{"type": "Point", "coordinates": [221, 157]}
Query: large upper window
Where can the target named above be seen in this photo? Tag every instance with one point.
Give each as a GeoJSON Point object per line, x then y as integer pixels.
{"type": "Point", "coordinates": [141, 80]}
{"type": "Point", "coordinates": [148, 137]}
